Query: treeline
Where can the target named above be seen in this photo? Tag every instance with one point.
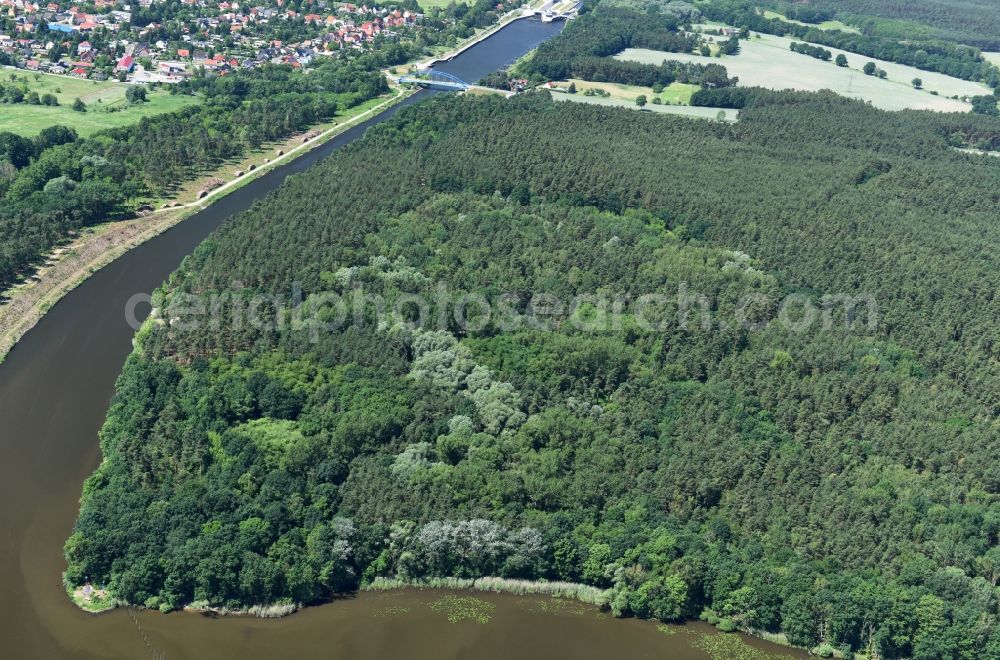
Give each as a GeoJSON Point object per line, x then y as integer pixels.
{"type": "Point", "coordinates": [930, 55]}
{"type": "Point", "coordinates": [807, 14]}
{"type": "Point", "coordinates": [973, 22]}
{"type": "Point", "coordinates": [685, 12]}
{"type": "Point", "coordinates": [15, 93]}
{"type": "Point", "coordinates": [818, 52]}
{"type": "Point", "coordinates": [608, 69]}
{"type": "Point", "coordinates": [478, 14]}
{"type": "Point", "coordinates": [727, 97]}
{"type": "Point", "coordinates": [585, 47]}
{"type": "Point", "coordinates": [50, 186]}
{"type": "Point", "coordinates": [833, 483]}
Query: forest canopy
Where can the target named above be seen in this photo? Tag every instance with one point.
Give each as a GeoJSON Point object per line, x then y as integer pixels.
{"type": "Point", "coordinates": [832, 483]}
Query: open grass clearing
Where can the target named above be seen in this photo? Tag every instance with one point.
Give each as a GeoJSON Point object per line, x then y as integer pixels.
{"type": "Point", "coordinates": [825, 25]}
{"type": "Point", "coordinates": [682, 110]}
{"type": "Point", "coordinates": [675, 94]}
{"type": "Point", "coordinates": [768, 62]}
{"type": "Point", "coordinates": [106, 105]}
{"type": "Point", "coordinates": [66, 88]}
{"type": "Point", "coordinates": [431, 4]}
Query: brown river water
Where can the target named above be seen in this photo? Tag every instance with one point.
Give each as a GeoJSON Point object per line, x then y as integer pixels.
{"type": "Point", "coordinates": [54, 391]}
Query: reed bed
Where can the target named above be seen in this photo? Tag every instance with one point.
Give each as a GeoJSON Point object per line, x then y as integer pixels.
{"type": "Point", "coordinates": [570, 590]}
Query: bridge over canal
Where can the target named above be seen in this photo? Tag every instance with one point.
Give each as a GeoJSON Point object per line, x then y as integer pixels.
{"type": "Point", "coordinates": [434, 79]}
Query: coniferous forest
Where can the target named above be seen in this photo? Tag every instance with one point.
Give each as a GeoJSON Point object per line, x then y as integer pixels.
{"type": "Point", "coordinates": [829, 482]}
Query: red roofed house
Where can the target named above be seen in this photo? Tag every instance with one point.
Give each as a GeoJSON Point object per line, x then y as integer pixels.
{"type": "Point", "coordinates": [125, 64]}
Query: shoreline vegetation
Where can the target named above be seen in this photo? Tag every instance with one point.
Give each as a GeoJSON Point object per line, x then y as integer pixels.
{"type": "Point", "coordinates": [70, 265]}
{"type": "Point", "coordinates": [584, 593]}
{"type": "Point", "coordinates": [97, 601]}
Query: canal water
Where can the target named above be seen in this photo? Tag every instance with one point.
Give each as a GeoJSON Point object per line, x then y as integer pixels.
{"type": "Point", "coordinates": [55, 387]}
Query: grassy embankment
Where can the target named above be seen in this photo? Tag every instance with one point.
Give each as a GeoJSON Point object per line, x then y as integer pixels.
{"type": "Point", "coordinates": [69, 265]}
{"type": "Point", "coordinates": [106, 105]}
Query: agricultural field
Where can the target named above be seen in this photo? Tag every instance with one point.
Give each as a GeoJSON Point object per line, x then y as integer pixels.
{"type": "Point", "coordinates": [619, 102]}
{"type": "Point", "coordinates": [825, 25]}
{"type": "Point", "coordinates": [767, 61]}
{"type": "Point", "coordinates": [992, 57]}
{"type": "Point", "coordinates": [106, 105]}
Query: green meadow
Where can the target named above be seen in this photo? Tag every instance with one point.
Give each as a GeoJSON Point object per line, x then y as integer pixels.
{"type": "Point", "coordinates": [105, 100]}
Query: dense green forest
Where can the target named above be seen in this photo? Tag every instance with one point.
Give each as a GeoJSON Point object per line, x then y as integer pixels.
{"type": "Point", "coordinates": [973, 22]}
{"type": "Point", "coordinates": [833, 483]}
{"type": "Point", "coordinates": [55, 183]}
